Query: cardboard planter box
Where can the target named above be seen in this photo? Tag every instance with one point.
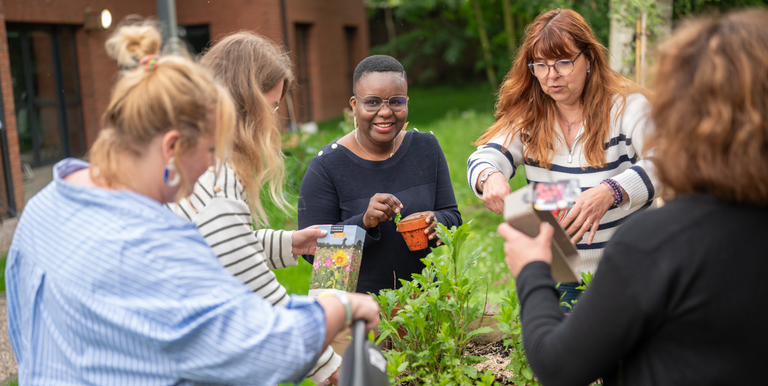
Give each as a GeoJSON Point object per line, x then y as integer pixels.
{"type": "Point", "coordinates": [337, 259]}
{"type": "Point", "coordinates": [527, 207]}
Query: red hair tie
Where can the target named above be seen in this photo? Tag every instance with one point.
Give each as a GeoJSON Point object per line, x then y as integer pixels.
{"type": "Point", "coordinates": [150, 61]}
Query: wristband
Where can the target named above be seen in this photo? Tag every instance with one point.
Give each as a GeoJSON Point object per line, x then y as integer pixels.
{"type": "Point", "coordinates": [344, 299]}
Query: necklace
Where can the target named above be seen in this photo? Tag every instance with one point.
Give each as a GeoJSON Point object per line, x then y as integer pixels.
{"type": "Point", "coordinates": [568, 125]}
{"type": "Point", "coordinates": [394, 142]}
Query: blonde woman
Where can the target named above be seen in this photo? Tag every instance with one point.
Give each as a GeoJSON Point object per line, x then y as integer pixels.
{"type": "Point", "coordinates": [106, 286]}
{"type": "Point", "coordinates": [257, 73]}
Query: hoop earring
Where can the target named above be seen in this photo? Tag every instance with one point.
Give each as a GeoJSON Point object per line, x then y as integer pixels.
{"type": "Point", "coordinates": [354, 119]}
{"type": "Point", "coordinates": [168, 169]}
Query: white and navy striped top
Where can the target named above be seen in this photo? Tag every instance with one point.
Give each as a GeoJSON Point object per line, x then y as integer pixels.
{"type": "Point", "coordinates": [218, 207]}
{"type": "Point", "coordinates": [109, 287]}
{"type": "Point", "coordinates": [635, 175]}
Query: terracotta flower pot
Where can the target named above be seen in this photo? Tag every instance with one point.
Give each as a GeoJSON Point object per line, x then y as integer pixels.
{"type": "Point", "coordinates": [412, 230]}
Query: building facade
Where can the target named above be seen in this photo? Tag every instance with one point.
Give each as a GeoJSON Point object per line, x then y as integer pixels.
{"type": "Point", "coordinates": [56, 77]}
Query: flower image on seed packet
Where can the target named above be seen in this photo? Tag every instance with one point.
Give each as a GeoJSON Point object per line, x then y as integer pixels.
{"type": "Point", "coordinates": [555, 196]}
{"type": "Point", "coordinates": [337, 259]}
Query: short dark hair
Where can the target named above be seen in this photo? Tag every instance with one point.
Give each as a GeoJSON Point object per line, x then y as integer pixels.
{"type": "Point", "coordinates": [376, 63]}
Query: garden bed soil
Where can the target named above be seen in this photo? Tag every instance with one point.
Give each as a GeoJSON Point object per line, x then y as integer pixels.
{"type": "Point", "coordinates": [498, 359]}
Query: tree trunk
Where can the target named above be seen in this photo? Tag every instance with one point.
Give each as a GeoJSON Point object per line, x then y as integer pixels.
{"type": "Point", "coordinates": [509, 26]}
{"type": "Point", "coordinates": [486, 46]}
{"type": "Point", "coordinates": [620, 41]}
{"type": "Point", "coordinates": [389, 20]}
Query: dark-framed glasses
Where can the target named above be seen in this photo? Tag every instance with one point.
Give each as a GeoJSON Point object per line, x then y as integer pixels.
{"type": "Point", "coordinates": [562, 67]}
{"type": "Point", "coordinates": [373, 103]}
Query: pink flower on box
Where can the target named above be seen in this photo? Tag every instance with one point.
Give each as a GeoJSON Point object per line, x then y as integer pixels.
{"type": "Point", "coordinates": [328, 261]}
{"type": "Point", "coordinates": [316, 264]}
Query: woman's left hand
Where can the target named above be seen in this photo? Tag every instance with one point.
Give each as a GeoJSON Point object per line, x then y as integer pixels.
{"type": "Point", "coordinates": [591, 205]}
{"type": "Point", "coordinates": [431, 230]}
{"type": "Point", "coordinates": [303, 242]}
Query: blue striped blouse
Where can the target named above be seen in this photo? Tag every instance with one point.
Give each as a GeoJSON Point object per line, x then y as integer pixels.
{"type": "Point", "coordinates": [111, 288]}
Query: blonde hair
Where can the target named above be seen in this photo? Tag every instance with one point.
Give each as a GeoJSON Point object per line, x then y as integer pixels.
{"type": "Point", "coordinates": [149, 101]}
{"type": "Point", "coordinates": [249, 65]}
{"type": "Point", "coordinates": [710, 109]}
{"type": "Point", "coordinates": [524, 109]}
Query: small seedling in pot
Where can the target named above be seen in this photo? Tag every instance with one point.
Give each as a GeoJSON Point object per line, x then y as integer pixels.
{"type": "Point", "coordinates": [397, 217]}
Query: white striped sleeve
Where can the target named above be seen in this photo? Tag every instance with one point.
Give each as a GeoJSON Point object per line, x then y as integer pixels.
{"type": "Point", "coordinates": [277, 247]}
{"type": "Point", "coordinates": [495, 155]}
{"type": "Point", "coordinates": [639, 181]}
{"type": "Point", "coordinates": [226, 225]}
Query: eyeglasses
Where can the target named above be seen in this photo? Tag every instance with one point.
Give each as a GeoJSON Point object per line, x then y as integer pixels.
{"type": "Point", "coordinates": [373, 103]}
{"type": "Point", "coordinates": [562, 67]}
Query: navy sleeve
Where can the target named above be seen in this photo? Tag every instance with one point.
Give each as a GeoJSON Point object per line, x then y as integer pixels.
{"type": "Point", "coordinates": [319, 204]}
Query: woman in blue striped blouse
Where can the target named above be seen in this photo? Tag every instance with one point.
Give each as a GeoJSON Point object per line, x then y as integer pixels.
{"type": "Point", "coordinates": [564, 114]}
{"type": "Point", "coordinates": [106, 286]}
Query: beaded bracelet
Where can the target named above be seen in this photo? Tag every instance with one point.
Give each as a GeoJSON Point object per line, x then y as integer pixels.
{"type": "Point", "coordinates": [615, 189]}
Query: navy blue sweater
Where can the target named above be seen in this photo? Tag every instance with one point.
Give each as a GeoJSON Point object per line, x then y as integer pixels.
{"type": "Point", "coordinates": [338, 186]}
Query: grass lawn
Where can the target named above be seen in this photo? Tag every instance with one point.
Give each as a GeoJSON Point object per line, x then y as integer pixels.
{"type": "Point", "coordinates": [3, 256]}
{"type": "Point", "coordinates": [456, 116]}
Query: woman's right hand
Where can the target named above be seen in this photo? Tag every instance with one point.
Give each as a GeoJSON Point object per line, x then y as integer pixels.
{"type": "Point", "coordinates": [364, 307]}
{"type": "Point", "coordinates": [494, 189]}
{"type": "Point", "coordinates": [381, 207]}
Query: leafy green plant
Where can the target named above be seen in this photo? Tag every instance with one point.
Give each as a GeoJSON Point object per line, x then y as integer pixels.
{"type": "Point", "coordinates": [427, 320]}
{"type": "Point", "coordinates": [397, 217]}
{"type": "Point", "coordinates": [509, 323]}
{"type": "Point", "coordinates": [586, 280]}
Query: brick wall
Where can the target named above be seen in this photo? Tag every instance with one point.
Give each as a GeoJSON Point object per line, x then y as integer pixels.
{"type": "Point", "coordinates": [328, 52]}
{"type": "Point", "coordinates": [10, 116]}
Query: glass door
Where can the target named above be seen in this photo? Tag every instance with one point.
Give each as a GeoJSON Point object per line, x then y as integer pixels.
{"type": "Point", "coordinates": [46, 92]}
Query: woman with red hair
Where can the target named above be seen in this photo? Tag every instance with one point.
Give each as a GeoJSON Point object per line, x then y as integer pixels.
{"type": "Point", "coordinates": [678, 300]}
{"type": "Point", "coordinates": [564, 114]}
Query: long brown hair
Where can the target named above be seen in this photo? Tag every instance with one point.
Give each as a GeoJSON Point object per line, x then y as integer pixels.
{"type": "Point", "coordinates": [710, 109]}
{"type": "Point", "coordinates": [249, 65]}
{"type": "Point", "coordinates": [148, 101]}
{"type": "Point", "coordinates": [524, 109]}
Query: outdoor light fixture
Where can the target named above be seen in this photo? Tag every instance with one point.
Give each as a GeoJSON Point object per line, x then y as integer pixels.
{"type": "Point", "coordinates": [97, 21]}
{"type": "Point", "coordinates": [106, 19]}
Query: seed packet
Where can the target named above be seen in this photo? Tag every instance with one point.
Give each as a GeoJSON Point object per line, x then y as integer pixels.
{"type": "Point", "coordinates": [337, 259]}
{"type": "Point", "coordinates": [555, 196]}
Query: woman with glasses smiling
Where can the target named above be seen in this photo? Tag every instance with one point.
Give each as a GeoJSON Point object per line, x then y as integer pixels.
{"type": "Point", "coordinates": [366, 177]}
{"type": "Point", "coordinates": [565, 115]}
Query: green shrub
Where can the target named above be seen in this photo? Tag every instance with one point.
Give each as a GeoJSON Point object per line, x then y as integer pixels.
{"type": "Point", "coordinates": [427, 320]}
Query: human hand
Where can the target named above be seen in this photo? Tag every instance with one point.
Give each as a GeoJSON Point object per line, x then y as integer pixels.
{"type": "Point", "coordinates": [303, 242]}
{"type": "Point", "coordinates": [495, 188]}
{"type": "Point", "coordinates": [431, 230]}
{"type": "Point", "coordinates": [381, 207]}
{"type": "Point", "coordinates": [521, 249]}
{"type": "Point", "coordinates": [334, 378]}
{"type": "Point", "coordinates": [364, 307]}
{"type": "Point", "coordinates": [586, 213]}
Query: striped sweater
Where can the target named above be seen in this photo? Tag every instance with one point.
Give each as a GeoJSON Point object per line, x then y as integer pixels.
{"type": "Point", "coordinates": [624, 165]}
{"type": "Point", "coordinates": [218, 207]}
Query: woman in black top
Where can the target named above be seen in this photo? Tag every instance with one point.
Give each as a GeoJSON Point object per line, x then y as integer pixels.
{"type": "Point", "coordinates": [678, 296]}
{"type": "Point", "coordinates": [372, 173]}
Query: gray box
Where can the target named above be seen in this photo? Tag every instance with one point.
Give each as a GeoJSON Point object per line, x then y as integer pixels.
{"type": "Point", "coordinates": [521, 215]}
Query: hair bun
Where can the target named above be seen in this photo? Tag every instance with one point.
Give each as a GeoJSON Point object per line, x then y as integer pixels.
{"type": "Point", "coordinates": [131, 42]}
